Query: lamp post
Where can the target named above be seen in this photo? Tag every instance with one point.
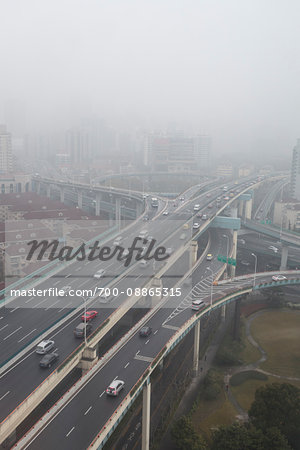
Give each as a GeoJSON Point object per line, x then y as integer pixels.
{"type": "Point", "coordinates": [84, 303]}
{"type": "Point", "coordinates": [227, 237]}
{"type": "Point", "coordinates": [255, 267]}
{"type": "Point", "coordinates": [211, 286]}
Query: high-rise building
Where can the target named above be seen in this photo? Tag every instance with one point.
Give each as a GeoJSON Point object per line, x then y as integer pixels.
{"type": "Point", "coordinates": [295, 172]}
{"type": "Point", "coordinates": [202, 151]}
{"type": "Point", "coordinates": [6, 162]}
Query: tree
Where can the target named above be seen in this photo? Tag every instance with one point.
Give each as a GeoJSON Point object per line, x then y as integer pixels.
{"type": "Point", "coordinates": [185, 437]}
{"type": "Point", "coordinates": [242, 437]}
{"type": "Point", "coordinates": [278, 406]}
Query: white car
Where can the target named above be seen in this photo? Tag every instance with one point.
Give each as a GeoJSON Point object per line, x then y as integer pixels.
{"type": "Point", "coordinates": [99, 273]}
{"type": "Point", "coordinates": [115, 387]}
{"type": "Point", "coordinates": [166, 213]}
{"type": "Point", "coordinates": [169, 251]}
{"type": "Point", "coordinates": [278, 277]}
{"type": "Point", "coordinates": [44, 347]}
{"type": "Point", "coordinates": [272, 247]}
{"type": "Point", "coordinates": [196, 226]}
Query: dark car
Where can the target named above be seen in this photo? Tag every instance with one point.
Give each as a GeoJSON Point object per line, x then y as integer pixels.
{"type": "Point", "coordinates": [48, 360]}
{"type": "Point", "coordinates": [79, 330]}
{"type": "Point", "coordinates": [145, 331]}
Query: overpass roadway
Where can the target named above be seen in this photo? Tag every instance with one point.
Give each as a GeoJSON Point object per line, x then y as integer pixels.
{"type": "Point", "coordinates": [286, 237]}
{"type": "Point", "coordinates": [77, 419]}
{"type": "Point", "coordinates": [6, 395]}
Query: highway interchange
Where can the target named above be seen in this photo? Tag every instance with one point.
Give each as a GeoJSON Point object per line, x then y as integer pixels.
{"type": "Point", "coordinates": [82, 418]}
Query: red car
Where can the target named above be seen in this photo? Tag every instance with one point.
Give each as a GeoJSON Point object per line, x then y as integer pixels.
{"type": "Point", "coordinates": [89, 315]}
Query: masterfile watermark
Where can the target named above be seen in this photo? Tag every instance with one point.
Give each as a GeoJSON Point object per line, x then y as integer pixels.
{"type": "Point", "coordinates": [146, 251]}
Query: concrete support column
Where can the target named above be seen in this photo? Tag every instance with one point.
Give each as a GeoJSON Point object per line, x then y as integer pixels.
{"type": "Point", "coordinates": [193, 253]}
{"type": "Point", "coordinates": [223, 313]}
{"type": "Point", "coordinates": [241, 208]}
{"type": "Point", "coordinates": [79, 199]}
{"type": "Point", "coordinates": [118, 212]}
{"type": "Point", "coordinates": [248, 209]}
{"type": "Point", "coordinates": [196, 348]}
{"type": "Point", "coordinates": [150, 301]}
{"type": "Point", "coordinates": [38, 188]}
{"type": "Point", "coordinates": [98, 203]}
{"type": "Point", "coordinates": [233, 211]}
{"type": "Point", "coordinates": [236, 320]}
{"type": "Point", "coordinates": [234, 248]}
{"type": "Point", "coordinates": [62, 194]}
{"type": "Point", "coordinates": [139, 209]}
{"type": "Point", "coordinates": [48, 190]}
{"type": "Point", "coordinates": [146, 415]}
{"type": "Point", "coordinates": [284, 257]}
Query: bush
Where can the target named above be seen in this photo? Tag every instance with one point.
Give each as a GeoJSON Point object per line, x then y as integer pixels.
{"type": "Point", "coordinates": [213, 383]}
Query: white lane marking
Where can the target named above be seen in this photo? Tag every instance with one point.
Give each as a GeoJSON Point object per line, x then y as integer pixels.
{"type": "Point", "coordinates": [138, 277]}
{"type": "Point", "coordinates": [43, 301]}
{"type": "Point", "coordinates": [32, 331]}
{"type": "Point", "coordinates": [29, 300]}
{"type": "Point", "coordinates": [155, 332]}
{"type": "Point", "coordinates": [147, 342]}
{"type": "Point", "coordinates": [56, 282]}
{"type": "Point", "coordinates": [138, 352]}
{"type": "Point", "coordinates": [88, 410]}
{"type": "Point", "coordinates": [1, 317]}
{"type": "Point", "coordinates": [101, 394]}
{"type": "Point", "coordinates": [78, 268]}
{"type": "Point", "coordinates": [12, 310]}
{"type": "Point", "coordinates": [4, 327]}
{"type": "Point", "coordinates": [12, 333]}
{"type": "Point", "coordinates": [68, 434]}
{"type": "Point", "coordinates": [67, 276]}
{"type": "Point", "coordinates": [86, 263]}
{"type": "Point", "coordinates": [125, 367]}
{"type": "Point", "coordinates": [1, 398]}
{"type": "Point", "coordinates": [48, 307]}
{"type": "Point", "coordinates": [115, 378]}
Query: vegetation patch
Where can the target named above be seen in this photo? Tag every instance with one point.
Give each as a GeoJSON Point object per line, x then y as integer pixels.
{"type": "Point", "coordinates": [241, 377]}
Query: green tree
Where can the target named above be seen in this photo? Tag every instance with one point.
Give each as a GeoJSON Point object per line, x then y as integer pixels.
{"type": "Point", "coordinates": [185, 437]}
{"type": "Point", "coordinates": [278, 406]}
{"type": "Point", "coordinates": [242, 437]}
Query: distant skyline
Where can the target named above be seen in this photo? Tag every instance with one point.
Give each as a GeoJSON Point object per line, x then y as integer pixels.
{"type": "Point", "coordinates": [228, 69]}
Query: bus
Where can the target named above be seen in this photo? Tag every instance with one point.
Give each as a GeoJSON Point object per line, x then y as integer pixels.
{"type": "Point", "coordinates": [154, 202]}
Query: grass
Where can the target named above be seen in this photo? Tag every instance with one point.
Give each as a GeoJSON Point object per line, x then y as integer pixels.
{"type": "Point", "coordinates": [211, 414]}
{"type": "Point", "coordinates": [278, 333]}
{"type": "Point", "coordinates": [249, 353]}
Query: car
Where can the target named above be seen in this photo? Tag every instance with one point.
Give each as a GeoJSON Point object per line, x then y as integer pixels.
{"type": "Point", "coordinates": [143, 234]}
{"type": "Point", "coordinates": [44, 347]}
{"type": "Point", "coordinates": [278, 277]}
{"type": "Point", "coordinates": [150, 238]}
{"type": "Point", "coordinates": [182, 198]}
{"type": "Point", "coordinates": [197, 304]}
{"type": "Point", "coordinates": [89, 315]}
{"type": "Point", "coordinates": [175, 204]}
{"type": "Point", "coordinates": [118, 240]}
{"type": "Point", "coordinates": [209, 257]}
{"type": "Point", "coordinates": [208, 195]}
{"type": "Point", "coordinates": [197, 207]}
{"type": "Point", "coordinates": [143, 263]}
{"type": "Point", "coordinates": [166, 213]}
{"type": "Point", "coordinates": [186, 226]}
{"type": "Point", "coordinates": [100, 273]}
{"type": "Point", "coordinates": [204, 217]}
{"type": "Point", "coordinates": [79, 330]}
{"type": "Point", "coordinates": [169, 250]}
{"type": "Point", "coordinates": [242, 241]}
{"type": "Point", "coordinates": [48, 360]}
{"type": "Point", "coordinates": [245, 263]}
{"type": "Point", "coordinates": [199, 215]}
{"type": "Point", "coordinates": [182, 236]}
{"type": "Point", "coordinates": [106, 298]}
{"type": "Point", "coordinates": [146, 218]}
{"type": "Point", "coordinates": [196, 225]}
{"type": "Point", "coordinates": [115, 387]}
{"type": "Point", "coordinates": [145, 331]}
{"type": "Point", "coordinates": [272, 247]}
{"type": "Point", "coordinates": [64, 291]}
{"type": "Point", "coordinates": [210, 205]}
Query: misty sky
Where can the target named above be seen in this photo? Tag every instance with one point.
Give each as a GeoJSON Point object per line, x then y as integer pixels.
{"type": "Point", "coordinates": [230, 68]}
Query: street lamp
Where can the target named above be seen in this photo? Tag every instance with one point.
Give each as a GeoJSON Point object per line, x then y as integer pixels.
{"type": "Point", "coordinates": [255, 267]}
{"type": "Point", "coordinates": [211, 286]}
{"type": "Point", "coordinates": [84, 302]}
{"type": "Point", "coordinates": [227, 237]}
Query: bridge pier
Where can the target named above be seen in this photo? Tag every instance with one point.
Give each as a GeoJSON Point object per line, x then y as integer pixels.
{"type": "Point", "coordinates": [248, 209]}
{"type": "Point", "coordinates": [234, 249]}
{"type": "Point", "coordinates": [193, 253]}
{"type": "Point", "coordinates": [241, 208]}
{"type": "Point", "coordinates": [79, 199]}
{"type": "Point", "coordinates": [48, 191]}
{"type": "Point", "coordinates": [89, 358]}
{"type": "Point", "coordinates": [284, 257]}
{"type": "Point", "coordinates": [196, 348]}
{"type": "Point", "coordinates": [62, 194]}
{"type": "Point", "coordinates": [223, 313]}
{"type": "Point", "coordinates": [139, 209]}
{"type": "Point", "coordinates": [118, 212]}
{"type": "Point", "coordinates": [146, 415]}
{"type": "Point", "coordinates": [98, 202]}
{"type": "Point", "coordinates": [236, 320]}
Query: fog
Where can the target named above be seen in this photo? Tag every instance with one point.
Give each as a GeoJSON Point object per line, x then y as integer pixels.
{"type": "Point", "coordinates": [227, 68]}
